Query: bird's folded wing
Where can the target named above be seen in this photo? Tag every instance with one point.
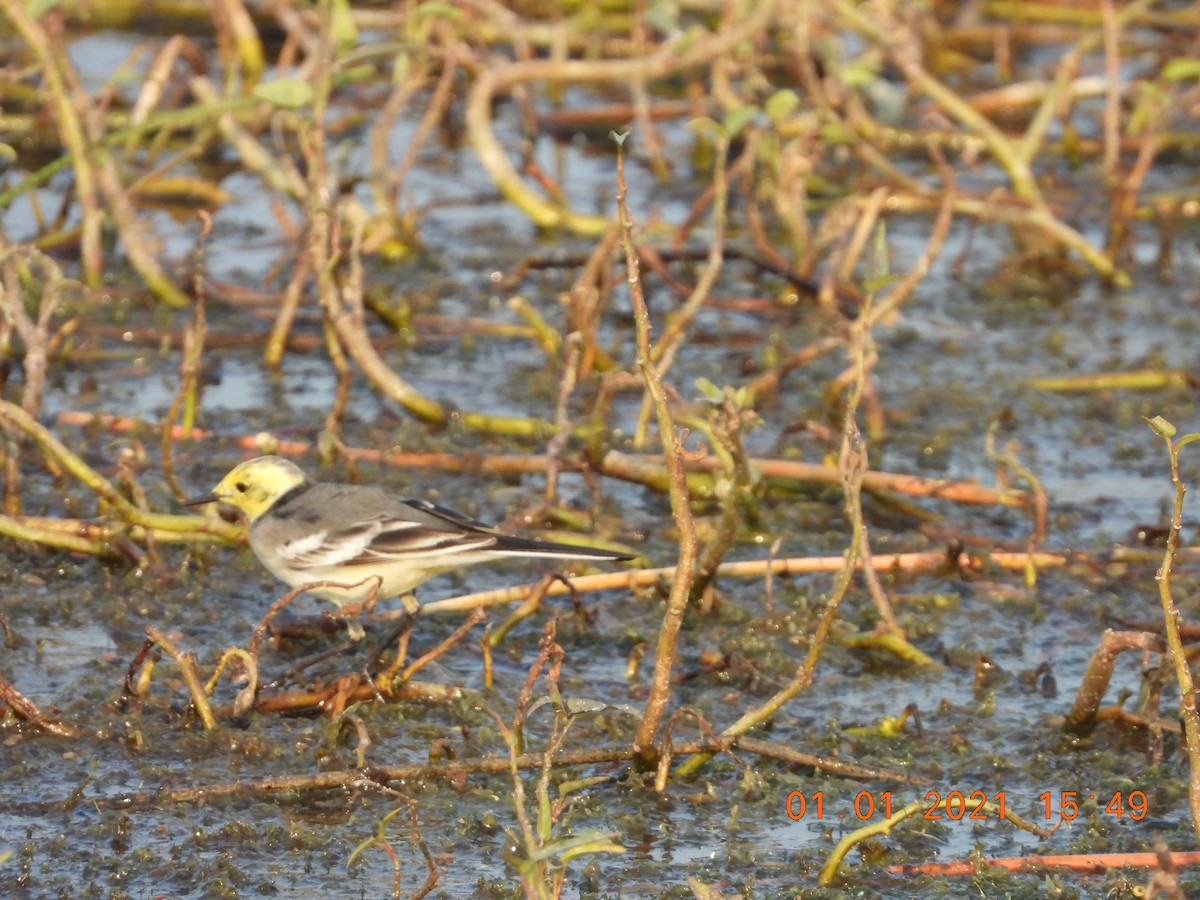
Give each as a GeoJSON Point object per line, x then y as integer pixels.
{"type": "Point", "coordinates": [379, 540]}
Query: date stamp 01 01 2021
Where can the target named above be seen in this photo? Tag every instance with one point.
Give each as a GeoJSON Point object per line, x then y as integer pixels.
{"type": "Point", "coordinates": [974, 806]}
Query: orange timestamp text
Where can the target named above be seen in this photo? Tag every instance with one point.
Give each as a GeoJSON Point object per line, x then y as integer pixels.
{"type": "Point", "coordinates": [974, 806]}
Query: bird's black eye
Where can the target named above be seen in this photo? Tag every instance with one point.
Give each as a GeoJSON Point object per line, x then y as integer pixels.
{"type": "Point", "coordinates": [240, 487]}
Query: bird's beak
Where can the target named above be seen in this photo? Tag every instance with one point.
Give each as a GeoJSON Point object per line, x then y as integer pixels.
{"type": "Point", "coordinates": [201, 499]}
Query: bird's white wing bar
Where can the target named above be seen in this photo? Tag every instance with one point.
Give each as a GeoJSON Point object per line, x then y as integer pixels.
{"type": "Point", "coordinates": [321, 549]}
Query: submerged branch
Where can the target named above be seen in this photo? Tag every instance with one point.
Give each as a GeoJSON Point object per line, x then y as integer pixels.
{"type": "Point", "coordinates": [60, 455]}
{"type": "Point", "coordinates": [373, 776]}
{"type": "Point", "coordinates": [645, 469]}
{"type": "Point", "coordinates": [901, 563]}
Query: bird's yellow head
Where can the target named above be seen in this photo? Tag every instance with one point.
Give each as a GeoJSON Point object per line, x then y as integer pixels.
{"type": "Point", "coordinates": [255, 485]}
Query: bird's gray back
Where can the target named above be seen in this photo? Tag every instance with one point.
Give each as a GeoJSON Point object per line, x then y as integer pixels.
{"type": "Point", "coordinates": [341, 506]}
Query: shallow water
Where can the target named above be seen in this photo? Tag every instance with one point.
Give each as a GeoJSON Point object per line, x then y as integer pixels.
{"type": "Point", "coordinates": [957, 358]}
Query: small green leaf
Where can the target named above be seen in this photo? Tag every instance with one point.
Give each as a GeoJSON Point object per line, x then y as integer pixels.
{"type": "Point", "coordinates": [593, 847]}
{"type": "Point", "coordinates": [781, 104]}
{"type": "Point", "coordinates": [709, 391]}
{"type": "Point", "coordinates": [358, 74]}
{"type": "Point", "coordinates": [579, 705]}
{"type": "Point", "coordinates": [537, 704]}
{"type": "Point", "coordinates": [565, 848]}
{"type": "Point", "coordinates": [1162, 427]}
{"type": "Point", "coordinates": [441, 10]}
{"type": "Point", "coordinates": [877, 254]}
{"type": "Point", "coordinates": [861, 72]}
{"type": "Point", "coordinates": [574, 786]}
{"type": "Point", "coordinates": [737, 119]}
{"type": "Point", "coordinates": [875, 285]}
{"type": "Point", "coordinates": [341, 23]}
{"type": "Point", "coordinates": [707, 127]}
{"type": "Point", "coordinates": [1181, 70]}
{"type": "Point", "coordinates": [837, 133]}
{"type": "Point", "coordinates": [286, 93]}
{"type": "Point", "coordinates": [376, 840]}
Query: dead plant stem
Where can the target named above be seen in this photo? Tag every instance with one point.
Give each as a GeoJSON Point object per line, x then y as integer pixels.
{"type": "Point", "coordinates": [1171, 619]}
{"type": "Point", "coordinates": [681, 587]}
